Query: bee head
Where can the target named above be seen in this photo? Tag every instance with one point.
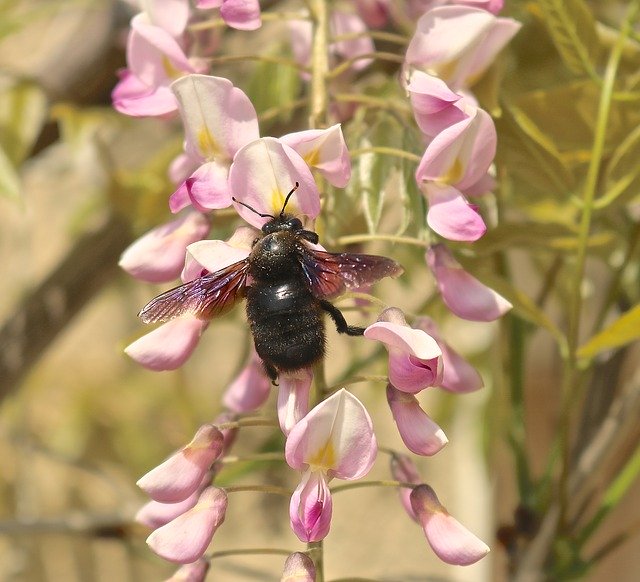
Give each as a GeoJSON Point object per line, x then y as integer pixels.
{"type": "Point", "coordinates": [282, 221]}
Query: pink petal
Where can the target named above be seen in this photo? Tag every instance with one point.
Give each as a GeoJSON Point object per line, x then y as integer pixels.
{"type": "Point", "coordinates": [298, 568]}
{"type": "Point", "coordinates": [229, 434]}
{"type": "Point", "coordinates": [158, 256]}
{"type": "Point", "coordinates": [484, 185]}
{"type": "Point", "coordinates": [250, 389]}
{"type": "Point", "coordinates": [403, 469]}
{"type": "Point", "coordinates": [419, 433]}
{"type": "Point", "coordinates": [462, 293]}
{"type": "Point", "coordinates": [449, 539]}
{"type": "Point", "coordinates": [170, 15]}
{"type": "Point", "coordinates": [293, 397]}
{"type": "Point", "coordinates": [218, 118]}
{"type": "Point", "coordinates": [195, 572]}
{"type": "Point", "coordinates": [343, 23]}
{"type": "Point", "coordinates": [458, 43]}
{"type": "Point", "coordinates": [132, 97]}
{"type": "Point", "coordinates": [461, 153]}
{"type": "Point", "coordinates": [206, 189]}
{"type": "Point", "coordinates": [169, 346]}
{"type": "Point", "coordinates": [459, 375]}
{"type": "Point", "coordinates": [186, 538]}
{"type": "Point", "coordinates": [325, 150]}
{"type": "Point", "coordinates": [182, 473]}
{"type": "Point", "coordinates": [375, 13]}
{"type": "Point", "coordinates": [182, 165]}
{"type": "Point", "coordinates": [214, 255]}
{"type": "Point", "coordinates": [204, 4]}
{"type": "Point", "coordinates": [241, 14]}
{"type": "Point", "coordinates": [311, 508]}
{"type": "Point", "coordinates": [262, 174]}
{"type": "Point", "coordinates": [336, 436]}
{"type": "Point", "coordinates": [433, 103]}
{"type": "Point", "coordinates": [450, 215]}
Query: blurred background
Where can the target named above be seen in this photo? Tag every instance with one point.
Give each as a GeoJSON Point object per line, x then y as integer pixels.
{"type": "Point", "coordinates": [80, 423]}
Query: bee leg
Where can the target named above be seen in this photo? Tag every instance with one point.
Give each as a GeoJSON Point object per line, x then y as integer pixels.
{"type": "Point", "coordinates": [271, 372]}
{"type": "Point", "coordinates": [339, 320]}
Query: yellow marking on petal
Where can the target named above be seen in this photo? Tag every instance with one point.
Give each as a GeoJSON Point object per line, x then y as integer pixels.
{"type": "Point", "coordinates": [171, 71]}
{"type": "Point", "coordinates": [455, 173]}
{"type": "Point", "coordinates": [324, 458]}
{"type": "Point", "coordinates": [312, 158]}
{"type": "Point", "coordinates": [207, 144]}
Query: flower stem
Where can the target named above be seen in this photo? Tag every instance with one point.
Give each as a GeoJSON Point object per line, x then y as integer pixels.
{"type": "Point", "coordinates": [260, 489]}
{"type": "Point", "coordinates": [251, 421]}
{"type": "Point", "coordinates": [386, 150]}
{"type": "Point", "coordinates": [378, 55]}
{"type": "Point", "coordinates": [358, 238]}
{"type": "Point", "coordinates": [315, 551]}
{"type": "Point", "coordinates": [252, 458]}
{"type": "Point", "coordinates": [248, 552]}
{"type": "Point", "coordinates": [319, 63]}
{"type": "Point", "coordinates": [356, 380]}
{"type": "Point", "coordinates": [381, 483]}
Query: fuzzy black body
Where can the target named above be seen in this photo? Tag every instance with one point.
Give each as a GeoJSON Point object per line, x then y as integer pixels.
{"type": "Point", "coordinates": [286, 320]}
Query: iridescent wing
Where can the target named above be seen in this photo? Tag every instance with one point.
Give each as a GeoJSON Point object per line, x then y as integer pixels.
{"type": "Point", "coordinates": [204, 297]}
{"type": "Point", "coordinates": [331, 274]}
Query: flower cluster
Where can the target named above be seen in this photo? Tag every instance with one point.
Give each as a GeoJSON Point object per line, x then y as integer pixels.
{"type": "Point", "coordinates": [226, 163]}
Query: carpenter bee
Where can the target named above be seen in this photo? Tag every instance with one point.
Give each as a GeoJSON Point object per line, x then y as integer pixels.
{"type": "Point", "coordinates": [287, 283]}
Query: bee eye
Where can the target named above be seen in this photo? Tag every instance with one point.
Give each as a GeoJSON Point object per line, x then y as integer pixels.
{"type": "Point", "coordinates": [295, 224]}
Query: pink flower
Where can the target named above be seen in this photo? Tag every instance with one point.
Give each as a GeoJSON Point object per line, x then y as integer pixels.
{"type": "Point", "coordinates": [218, 119]}
{"type": "Point", "coordinates": [462, 293]}
{"type": "Point", "coordinates": [459, 376]}
{"type": "Point", "coordinates": [415, 359]}
{"type": "Point", "coordinates": [185, 539]}
{"type": "Point", "coordinates": [158, 256]}
{"type": "Point", "coordinates": [450, 215]}
{"type": "Point", "coordinates": [262, 174]}
{"type": "Point", "coordinates": [334, 440]}
{"type": "Point", "coordinates": [240, 14]}
{"type": "Point", "coordinates": [419, 433]}
{"type": "Point", "coordinates": [375, 13]}
{"type": "Point", "coordinates": [155, 58]}
{"type": "Point", "coordinates": [194, 572]}
{"type": "Point", "coordinates": [448, 538]}
{"type": "Point", "coordinates": [180, 475]}
{"type": "Point", "coordinates": [458, 43]}
{"type": "Point", "coordinates": [298, 568]}
{"type": "Point", "coordinates": [293, 397]}
{"type": "Point", "coordinates": [168, 346]}
{"type": "Point", "coordinates": [250, 389]}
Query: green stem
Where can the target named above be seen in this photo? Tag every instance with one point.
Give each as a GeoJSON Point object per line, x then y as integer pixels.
{"type": "Point", "coordinates": [319, 64]}
{"type": "Point", "coordinates": [363, 484]}
{"type": "Point", "coordinates": [249, 552]}
{"type": "Point", "coordinates": [375, 35]}
{"type": "Point", "coordinates": [252, 458]}
{"type": "Point", "coordinates": [358, 238]}
{"type": "Point", "coordinates": [570, 372]}
{"type": "Point", "coordinates": [316, 553]}
{"type": "Point", "coordinates": [388, 151]}
{"type": "Point", "coordinates": [251, 421]}
{"type": "Point", "coordinates": [355, 380]}
{"type": "Point", "coordinates": [261, 58]}
{"type": "Point", "coordinates": [377, 55]}
{"type": "Point", "coordinates": [373, 101]}
{"type": "Point", "coordinates": [283, 491]}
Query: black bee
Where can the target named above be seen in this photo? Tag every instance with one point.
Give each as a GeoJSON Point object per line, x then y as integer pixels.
{"type": "Point", "coordinates": [287, 284]}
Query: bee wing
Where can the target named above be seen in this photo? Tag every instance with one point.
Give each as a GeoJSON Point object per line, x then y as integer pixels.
{"type": "Point", "coordinates": [331, 274]}
{"type": "Point", "coordinates": [204, 297]}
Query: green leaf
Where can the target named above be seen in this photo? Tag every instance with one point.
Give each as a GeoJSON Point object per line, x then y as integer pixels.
{"type": "Point", "coordinates": [622, 331]}
{"type": "Point", "coordinates": [372, 180]}
{"type": "Point", "coordinates": [23, 111]}
{"type": "Point", "coordinates": [9, 181]}
{"type": "Point", "coordinates": [573, 31]}
{"type": "Point", "coordinates": [622, 177]}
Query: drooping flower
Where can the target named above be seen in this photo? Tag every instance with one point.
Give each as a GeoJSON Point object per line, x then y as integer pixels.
{"type": "Point", "coordinates": [415, 359]}
{"type": "Point", "coordinates": [239, 14]}
{"type": "Point", "coordinates": [459, 376]}
{"type": "Point", "coordinates": [458, 43]}
{"type": "Point", "coordinates": [419, 433]}
{"type": "Point", "coordinates": [462, 293]}
{"type": "Point", "coordinates": [298, 568]}
{"type": "Point", "coordinates": [250, 389]}
{"type": "Point", "coordinates": [180, 475]}
{"type": "Point", "coordinates": [293, 397]}
{"type": "Point", "coordinates": [449, 539]}
{"type": "Point", "coordinates": [185, 539]}
{"type": "Point", "coordinates": [158, 256]}
{"type": "Point", "coordinates": [335, 439]}
{"type": "Point", "coordinates": [404, 470]}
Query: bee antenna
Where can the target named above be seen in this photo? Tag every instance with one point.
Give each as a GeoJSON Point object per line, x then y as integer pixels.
{"type": "Point", "coordinates": [287, 198]}
{"type": "Point", "coordinates": [253, 209]}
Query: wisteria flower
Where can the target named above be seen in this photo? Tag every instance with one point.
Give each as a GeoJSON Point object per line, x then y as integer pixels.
{"type": "Point", "coordinates": [458, 43]}
{"type": "Point", "coordinates": [462, 293]}
{"type": "Point", "coordinates": [194, 572]}
{"type": "Point", "coordinates": [418, 431]}
{"type": "Point", "coordinates": [415, 359]}
{"type": "Point", "coordinates": [459, 376]}
{"type": "Point", "coordinates": [186, 538]}
{"type": "Point", "coordinates": [449, 539]}
{"type": "Point", "coordinates": [298, 568]}
{"type": "Point", "coordinates": [250, 389]}
{"type": "Point", "coordinates": [240, 14]}
{"type": "Point", "coordinates": [335, 439]}
{"type": "Point", "coordinates": [293, 397]}
{"type": "Point", "coordinates": [158, 256]}
{"type": "Point", "coordinates": [404, 470]}
{"type": "Point", "coordinates": [181, 474]}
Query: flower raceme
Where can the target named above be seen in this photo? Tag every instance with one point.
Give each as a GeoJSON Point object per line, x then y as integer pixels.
{"type": "Point", "coordinates": [335, 439]}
